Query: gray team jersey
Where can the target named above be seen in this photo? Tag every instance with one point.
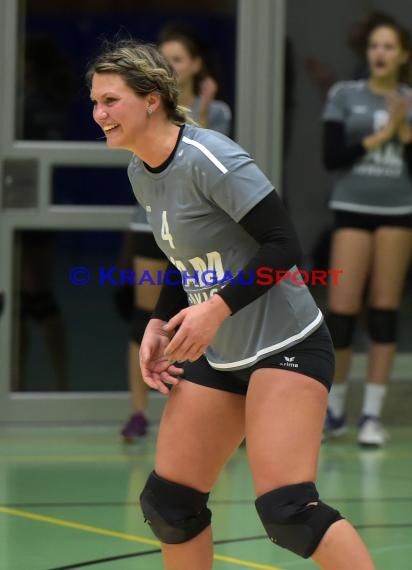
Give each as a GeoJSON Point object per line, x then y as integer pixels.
{"type": "Point", "coordinates": [219, 119]}
{"type": "Point", "coordinates": [193, 207]}
{"type": "Point", "coordinates": [219, 115]}
{"type": "Point", "coordinates": [378, 182]}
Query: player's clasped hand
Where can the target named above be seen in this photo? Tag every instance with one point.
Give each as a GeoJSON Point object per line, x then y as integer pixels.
{"type": "Point", "coordinates": [157, 370]}
{"type": "Point", "coordinates": [198, 325]}
{"type": "Point", "coordinates": [160, 372]}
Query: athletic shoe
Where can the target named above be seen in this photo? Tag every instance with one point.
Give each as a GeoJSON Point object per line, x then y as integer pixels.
{"type": "Point", "coordinates": [371, 432]}
{"type": "Point", "coordinates": [136, 426]}
{"type": "Point", "coordinates": [334, 426]}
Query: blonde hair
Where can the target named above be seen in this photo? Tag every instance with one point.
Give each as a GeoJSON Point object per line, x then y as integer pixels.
{"type": "Point", "coordinates": [144, 70]}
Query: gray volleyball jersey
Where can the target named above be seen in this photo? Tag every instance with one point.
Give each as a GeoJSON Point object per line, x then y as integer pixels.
{"type": "Point", "coordinates": [219, 115]}
{"type": "Point", "coordinates": [219, 119]}
{"type": "Point", "coordinates": [193, 207]}
{"type": "Point", "coordinates": [378, 182]}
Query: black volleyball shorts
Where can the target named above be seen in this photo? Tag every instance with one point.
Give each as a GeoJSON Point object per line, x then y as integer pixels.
{"type": "Point", "coordinates": [313, 357]}
{"type": "Point", "coordinates": [370, 222]}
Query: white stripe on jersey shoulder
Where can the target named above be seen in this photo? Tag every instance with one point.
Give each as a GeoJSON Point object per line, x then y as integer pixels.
{"type": "Point", "coordinates": [207, 153]}
{"type": "Point", "coordinates": [352, 84]}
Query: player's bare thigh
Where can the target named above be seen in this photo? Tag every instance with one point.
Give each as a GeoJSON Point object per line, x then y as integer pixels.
{"type": "Point", "coordinates": [351, 253]}
{"type": "Point", "coordinates": [200, 429]}
{"type": "Point", "coordinates": [284, 418]}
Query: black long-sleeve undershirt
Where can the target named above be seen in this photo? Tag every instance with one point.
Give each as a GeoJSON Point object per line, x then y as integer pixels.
{"type": "Point", "coordinates": [407, 153]}
{"type": "Point", "coordinates": [172, 298]}
{"type": "Point", "coordinates": [269, 224]}
{"type": "Point", "coordinates": [338, 154]}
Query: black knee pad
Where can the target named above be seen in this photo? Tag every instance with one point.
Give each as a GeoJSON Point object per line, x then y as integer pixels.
{"type": "Point", "coordinates": [138, 325]}
{"type": "Point", "coordinates": [174, 512]}
{"type": "Point", "coordinates": [291, 521]}
{"type": "Point", "coordinates": [382, 325]}
{"type": "Point", "coordinates": [38, 306]}
{"type": "Point", "coordinates": [341, 328]}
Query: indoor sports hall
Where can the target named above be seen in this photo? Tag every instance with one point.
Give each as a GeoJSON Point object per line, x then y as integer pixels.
{"type": "Point", "coordinates": [69, 482]}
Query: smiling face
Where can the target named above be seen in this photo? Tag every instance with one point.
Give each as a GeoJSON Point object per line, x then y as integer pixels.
{"type": "Point", "coordinates": [118, 110]}
{"type": "Point", "coordinates": [385, 54]}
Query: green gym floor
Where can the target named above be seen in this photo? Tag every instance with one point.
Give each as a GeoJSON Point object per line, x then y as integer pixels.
{"type": "Point", "coordinates": [68, 499]}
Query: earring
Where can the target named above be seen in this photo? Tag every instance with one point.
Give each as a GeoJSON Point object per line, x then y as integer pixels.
{"type": "Point", "coordinates": [149, 111]}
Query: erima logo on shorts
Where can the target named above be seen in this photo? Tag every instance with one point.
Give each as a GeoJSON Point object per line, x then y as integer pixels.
{"type": "Point", "coordinates": [289, 362]}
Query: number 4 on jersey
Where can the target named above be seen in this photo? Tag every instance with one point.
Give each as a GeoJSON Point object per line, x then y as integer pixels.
{"type": "Point", "coordinates": [166, 235]}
